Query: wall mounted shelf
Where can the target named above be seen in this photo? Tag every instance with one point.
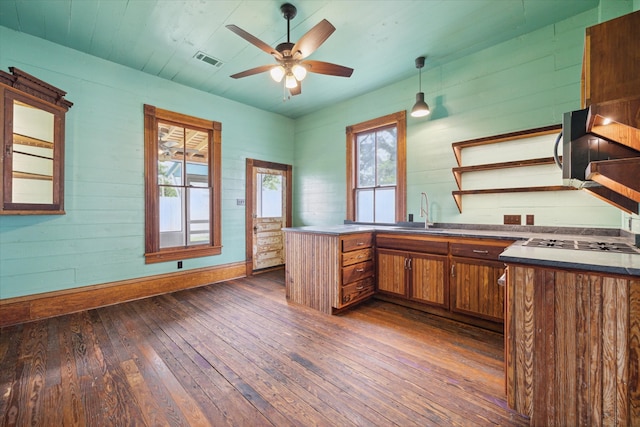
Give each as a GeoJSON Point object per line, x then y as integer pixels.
{"type": "Point", "coordinates": [458, 147]}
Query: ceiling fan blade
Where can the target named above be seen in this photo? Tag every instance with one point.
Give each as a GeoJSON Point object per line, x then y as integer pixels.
{"type": "Point", "coordinates": [296, 90]}
{"type": "Point", "coordinates": [252, 71]}
{"type": "Point", "coordinates": [255, 41]}
{"type": "Point", "coordinates": [312, 39]}
{"type": "Point", "coordinates": [320, 67]}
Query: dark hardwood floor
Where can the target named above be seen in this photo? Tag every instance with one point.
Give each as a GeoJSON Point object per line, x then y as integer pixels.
{"type": "Point", "coordinates": [238, 354]}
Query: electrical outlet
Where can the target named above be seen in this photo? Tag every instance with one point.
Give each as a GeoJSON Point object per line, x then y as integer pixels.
{"type": "Point", "coordinates": [530, 220]}
{"type": "Point", "coordinates": [240, 202]}
{"type": "Point", "coordinates": [179, 264]}
{"type": "Point", "coordinates": [513, 219]}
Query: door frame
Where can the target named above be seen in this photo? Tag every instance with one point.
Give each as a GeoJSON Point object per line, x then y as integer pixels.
{"type": "Point", "coordinates": [249, 203]}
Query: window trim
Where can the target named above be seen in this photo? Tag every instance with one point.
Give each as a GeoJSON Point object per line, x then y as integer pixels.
{"type": "Point", "coordinates": [153, 253]}
{"type": "Point", "coordinates": [399, 120]}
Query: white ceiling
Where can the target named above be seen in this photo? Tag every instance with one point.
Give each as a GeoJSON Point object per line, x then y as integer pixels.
{"type": "Point", "coordinates": [379, 39]}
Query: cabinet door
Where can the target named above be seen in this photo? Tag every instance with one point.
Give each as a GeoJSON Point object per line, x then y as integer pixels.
{"type": "Point", "coordinates": [428, 279]}
{"type": "Point", "coordinates": [475, 288]}
{"type": "Point", "coordinates": [391, 272]}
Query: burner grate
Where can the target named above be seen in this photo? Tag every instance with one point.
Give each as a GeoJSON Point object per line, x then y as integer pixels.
{"type": "Point", "coordinates": [582, 245]}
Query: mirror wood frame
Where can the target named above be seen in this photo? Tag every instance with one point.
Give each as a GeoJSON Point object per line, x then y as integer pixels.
{"type": "Point", "coordinates": [27, 89]}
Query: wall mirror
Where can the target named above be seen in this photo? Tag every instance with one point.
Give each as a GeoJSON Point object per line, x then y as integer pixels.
{"type": "Point", "coordinates": [32, 157]}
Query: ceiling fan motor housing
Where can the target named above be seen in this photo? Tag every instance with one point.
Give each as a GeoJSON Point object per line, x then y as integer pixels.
{"type": "Point", "coordinates": [289, 11]}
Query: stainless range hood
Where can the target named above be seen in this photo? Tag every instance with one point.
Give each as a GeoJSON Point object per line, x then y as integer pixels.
{"type": "Point", "coordinates": [602, 156]}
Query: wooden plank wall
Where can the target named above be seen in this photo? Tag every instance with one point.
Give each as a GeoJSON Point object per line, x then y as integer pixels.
{"type": "Point", "coordinates": [310, 253]}
{"type": "Point", "coordinates": [574, 346]}
{"type": "Point", "coordinates": [519, 84]}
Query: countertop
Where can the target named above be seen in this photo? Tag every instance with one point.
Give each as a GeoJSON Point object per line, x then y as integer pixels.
{"type": "Point", "coordinates": [596, 261]}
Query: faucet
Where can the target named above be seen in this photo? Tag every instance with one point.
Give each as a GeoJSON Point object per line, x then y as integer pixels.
{"type": "Point", "coordinates": [424, 209]}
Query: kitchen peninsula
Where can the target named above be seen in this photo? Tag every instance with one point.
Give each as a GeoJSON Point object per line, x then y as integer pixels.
{"type": "Point", "coordinates": [571, 315]}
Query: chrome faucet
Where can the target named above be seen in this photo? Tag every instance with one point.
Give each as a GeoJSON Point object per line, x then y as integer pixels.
{"type": "Point", "coordinates": [424, 209]}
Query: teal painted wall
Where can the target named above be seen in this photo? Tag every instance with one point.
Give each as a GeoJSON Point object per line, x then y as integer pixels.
{"type": "Point", "coordinates": [101, 237]}
{"type": "Point", "coordinates": [524, 83]}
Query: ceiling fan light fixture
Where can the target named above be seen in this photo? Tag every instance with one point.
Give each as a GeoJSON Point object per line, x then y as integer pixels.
{"type": "Point", "coordinates": [277, 73]}
{"type": "Point", "coordinates": [290, 81]}
{"type": "Point", "coordinates": [420, 108]}
{"type": "Point", "coordinates": [299, 71]}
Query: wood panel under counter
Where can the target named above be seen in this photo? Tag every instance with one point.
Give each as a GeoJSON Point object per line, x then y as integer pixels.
{"type": "Point", "coordinates": [572, 337]}
{"type": "Point", "coordinates": [329, 271]}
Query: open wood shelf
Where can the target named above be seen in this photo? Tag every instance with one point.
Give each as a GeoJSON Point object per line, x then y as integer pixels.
{"type": "Point", "coordinates": [457, 195]}
{"type": "Point", "coordinates": [457, 172]}
{"type": "Point", "coordinates": [507, 137]}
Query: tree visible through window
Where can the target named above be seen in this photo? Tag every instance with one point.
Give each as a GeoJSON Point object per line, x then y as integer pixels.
{"type": "Point", "coordinates": [182, 181]}
{"type": "Point", "coordinates": [376, 166]}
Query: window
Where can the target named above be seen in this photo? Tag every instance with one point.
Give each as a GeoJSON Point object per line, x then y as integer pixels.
{"type": "Point", "coordinates": [182, 185]}
{"type": "Point", "coordinates": [376, 170]}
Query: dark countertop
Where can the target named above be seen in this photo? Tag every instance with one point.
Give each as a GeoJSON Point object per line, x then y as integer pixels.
{"type": "Point", "coordinates": [596, 261]}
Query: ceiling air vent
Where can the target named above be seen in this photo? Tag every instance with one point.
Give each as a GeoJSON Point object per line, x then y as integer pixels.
{"type": "Point", "coordinates": [208, 59]}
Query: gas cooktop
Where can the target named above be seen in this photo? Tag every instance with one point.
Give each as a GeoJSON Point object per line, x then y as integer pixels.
{"type": "Point", "coordinates": [583, 245]}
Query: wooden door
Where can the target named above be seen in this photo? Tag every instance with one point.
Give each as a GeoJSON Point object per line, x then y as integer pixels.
{"type": "Point", "coordinates": [428, 279]}
{"type": "Point", "coordinates": [268, 211]}
{"type": "Point", "coordinates": [269, 217]}
{"type": "Point", "coordinates": [475, 289]}
{"type": "Point", "coordinates": [392, 272]}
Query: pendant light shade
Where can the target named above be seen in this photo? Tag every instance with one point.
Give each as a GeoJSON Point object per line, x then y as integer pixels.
{"type": "Point", "coordinates": [420, 108]}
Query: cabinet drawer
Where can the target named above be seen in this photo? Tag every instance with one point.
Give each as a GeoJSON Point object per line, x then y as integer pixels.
{"type": "Point", "coordinates": [473, 250]}
{"type": "Point", "coordinates": [419, 244]}
{"type": "Point", "coordinates": [357, 272]}
{"type": "Point", "coordinates": [356, 291]}
{"type": "Point", "coordinates": [357, 241]}
{"type": "Point", "coordinates": [354, 257]}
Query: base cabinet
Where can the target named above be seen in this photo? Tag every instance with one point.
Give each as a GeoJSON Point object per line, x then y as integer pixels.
{"type": "Point", "coordinates": [455, 278]}
{"type": "Point", "coordinates": [475, 290]}
{"type": "Point", "coordinates": [329, 272]}
{"type": "Point", "coordinates": [572, 346]}
{"type": "Point", "coordinates": [413, 275]}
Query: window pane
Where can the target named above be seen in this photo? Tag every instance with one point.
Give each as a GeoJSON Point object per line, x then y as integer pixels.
{"type": "Point", "coordinates": [269, 203]}
{"type": "Point", "coordinates": [199, 216]}
{"type": "Point", "coordinates": [364, 205]}
{"type": "Point", "coordinates": [386, 156]}
{"type": "Point", "coordinates": [171, 216]}
{"type": "Point", "coordinates": [197, 147]}
{"type": "Point", "coordinates": [197, 175]}
{"type": "Point", "coordinates": [170, 154]}
{"type": "Point", "coordinates": [385, 205]}
{"type": "Point", "coordinates": [366, 160]}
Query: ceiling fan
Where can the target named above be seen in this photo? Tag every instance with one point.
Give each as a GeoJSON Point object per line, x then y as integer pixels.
{"type": "Point", "coordinates": [290, 57]}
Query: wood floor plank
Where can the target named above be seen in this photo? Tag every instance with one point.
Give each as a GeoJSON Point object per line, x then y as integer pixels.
{"type": "Point", "coordinates": [238, 354]}
{"type": "Point", "coordinates": [435, 410]}
{"type": "Point", "coordinates": [271, 358]}
{"type": "Point", "coordinates": [221, 403]}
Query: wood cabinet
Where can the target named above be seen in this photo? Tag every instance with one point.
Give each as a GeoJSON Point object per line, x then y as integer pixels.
{"type": "Point", "coordinates": [610, 63]}
{"type": "Point", "coordinates": [474, 279]}
{"type": "Point", "coordinates": [455, 278]}
{"type": "Point", "coordinates": [329, 272]}
{"type": "Point", "coordinates": [417, 276]}
{"type": "Point", "coordinates": [357, 270]}
{"type": "Point", "coordinates": [572, 341]}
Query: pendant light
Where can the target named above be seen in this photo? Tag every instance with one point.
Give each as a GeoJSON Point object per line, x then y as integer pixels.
{"type": "Point", "coordinates": [420, 108]}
